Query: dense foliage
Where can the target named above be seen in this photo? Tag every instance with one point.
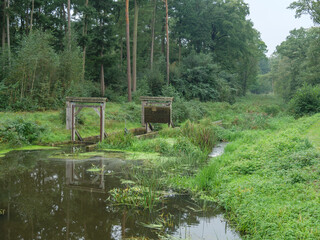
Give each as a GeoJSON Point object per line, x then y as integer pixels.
{"type": "Point", "coordinates": [293, 71]}
{"type": "Point", "coordinates": [20, 132]}
{"type": "Point", "coordinates": [214, 50]}
{"type": "Point", "coordinates": [306, 101]}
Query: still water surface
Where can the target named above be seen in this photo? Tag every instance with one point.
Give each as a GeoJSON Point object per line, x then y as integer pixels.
{"type": "Point", "coordinates": [45, 197]}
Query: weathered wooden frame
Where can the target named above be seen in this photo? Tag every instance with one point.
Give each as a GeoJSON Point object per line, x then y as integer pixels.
{"type": "Point", "coordinates": [155, 102]}
{"type": "Point", "coordinates": [97, 104]}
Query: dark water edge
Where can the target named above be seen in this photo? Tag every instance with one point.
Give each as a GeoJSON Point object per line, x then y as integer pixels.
{"type": "Point", "coordinates": [47, 198]}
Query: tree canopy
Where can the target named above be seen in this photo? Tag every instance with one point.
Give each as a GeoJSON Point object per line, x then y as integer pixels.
{"type": "Point", "coordinates": [214, 50]}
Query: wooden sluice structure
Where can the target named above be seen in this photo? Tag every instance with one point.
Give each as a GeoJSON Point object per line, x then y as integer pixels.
{"type": "Point", "coordinates": [75, 105]}
{"type": "Point", "coordinates": [156, 110]}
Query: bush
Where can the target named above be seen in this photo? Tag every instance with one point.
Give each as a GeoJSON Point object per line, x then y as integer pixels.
{"type": "Point", "coordinates": [306, 101]}
{"type": "Point", "coordinates": [19, 132]}
{"type": "Point", "coordinates": [182, 110]}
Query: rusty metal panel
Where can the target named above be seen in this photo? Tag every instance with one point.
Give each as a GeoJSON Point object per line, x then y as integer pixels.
{"type": "Point", "coordinates": [157, 114]}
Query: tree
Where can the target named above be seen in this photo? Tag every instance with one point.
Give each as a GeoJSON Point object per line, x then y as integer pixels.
{"type": "Point", "coordinates": [85, 31]}
{"type": "Point", "coordinates": [128, 51]}
{"type": "Point", "coordinates": [153, 32]}
{"type": "Point", "coordinates": [134, 48]}
{"type": "Point", "coordinates": [69, 24]}
{"type": "Point", "coordinates": [31, 15]}
{"type": "Point", "coordinates": [310, 7]}
{"type": "Point", "coordinates": [3, 42]}
{"type": "Point", "coordinates": [292, 66]}
{"type": "Point", "coordinates": [8, 31]}
{"type": "Point", "coordinates": [168, 47]}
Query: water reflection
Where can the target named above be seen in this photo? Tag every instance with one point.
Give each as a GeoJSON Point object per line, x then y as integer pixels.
{"type": "Point", "coordinates": [60, 199]}
{"type": "Point", "coordinates": [76, 179]}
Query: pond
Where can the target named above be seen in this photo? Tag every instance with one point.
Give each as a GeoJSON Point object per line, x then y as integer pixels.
{"type": "Point", "coordinates": [47, 197]}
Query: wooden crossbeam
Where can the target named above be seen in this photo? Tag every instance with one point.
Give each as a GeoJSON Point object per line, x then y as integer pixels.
{"type": "Point", "coordinates": [86, 100]}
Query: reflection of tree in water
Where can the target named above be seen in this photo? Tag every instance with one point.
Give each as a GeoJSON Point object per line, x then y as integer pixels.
{"type": "Point", "coordinates": [43, 206]}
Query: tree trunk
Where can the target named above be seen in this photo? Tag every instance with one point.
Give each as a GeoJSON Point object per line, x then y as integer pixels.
{"type": "Point", "coordinates": [121, 51]}
{"type": "Point", "coordinates": [167, 33]}
{"type": "Point", "coordinates": [121, 43]}
{"type": "Point", "coordinates": [128, 51]}
{"type": "Point", "coordinates": [179, 56]}
{"type": "Point", "coordinates": [69, 25]}
{"type": "Point", "coordinates": [3, 25]}
{"type": "Point", "coordinates": [8, 32]}
{"type": "Point", "coordinates": [31, 16]}
{"type": "Point", "coordinates": [163, 36]}
{"type": "Point", "coordinates": [85, 30]}
{"type": "Point", "coordinates": [102, 85]}
{"type": "Point", "coordinates": [153, 32]}
{"type": "Point", "coordinates": [134, 49]}
{"type": "Point", "coordinates": [64, 19]}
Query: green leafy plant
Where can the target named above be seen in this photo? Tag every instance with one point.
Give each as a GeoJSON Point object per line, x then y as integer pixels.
{"type": "Point", "coordinates": [19, 132]}
{"type": "Point", "coordinates": [306, 101]}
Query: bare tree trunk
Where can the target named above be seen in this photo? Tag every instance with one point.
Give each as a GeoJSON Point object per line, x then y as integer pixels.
{"type": "Point", "coordinates": [153, 32]}
{"type": "Point", "coordinates": [3, 25]}
{"type": "Point", "coordinates": [64, 19]}
{"type": "Point", "coordinates": [168, 49]}
{"type": "Point", "coordinates": [121, 51]}
{"type": "Point", "coordinates": [102, 85]}
{"type": "Point", "coordinates": [121, 42]}
{"type": "Point", "coordinates": [85, 30]}
{"type": "Point", "coordinates": [128, 51]}
{"type": "Point", "coordinates": [134, 49]}
{"type": "Point", "coordinates": [163, 36]}
{"type": "Point", "coordinates": [69, 25]}
{"type": "Point", "coordinates": [179, 60]}
{"type": "Point", "coordinates": [8, 33]}
{"type": "Point", "coordinates": [31, 17]}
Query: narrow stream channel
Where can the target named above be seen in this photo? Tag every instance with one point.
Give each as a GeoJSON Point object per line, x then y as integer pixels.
{"type": "Point", "coordinates": [51, 198]}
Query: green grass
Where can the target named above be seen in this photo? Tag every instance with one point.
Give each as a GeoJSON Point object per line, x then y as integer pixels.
{"type": "Point", "coordinates": [314, 135]}
{"type": "Point", "coordinates": [268, 182]}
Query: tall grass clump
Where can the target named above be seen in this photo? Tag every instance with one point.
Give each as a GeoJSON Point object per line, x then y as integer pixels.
{"type": "Point", "coordinates": [202, 135]}
{"type": "Point", "coordinates": [121, 140]}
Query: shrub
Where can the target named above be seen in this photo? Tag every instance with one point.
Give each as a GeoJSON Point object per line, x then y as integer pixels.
{"type": "Point", "coordinates": [182, 110]}
{"type": "Point", "coordinates": [19, 132]}
{"type": "Point", "coordinates": [306, 101]}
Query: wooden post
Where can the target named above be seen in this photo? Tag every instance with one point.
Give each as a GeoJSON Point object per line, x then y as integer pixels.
{"type": "Point", "coordinates": [103, 119]}
{"type": "Point", "coordinates": [73, 128]}
{"type": "Point", "coordinates": [142, 113]}
{"type": "Point", "coordinates": [101, 124]}
{"type": "Point", "coordinates": [68, 116]}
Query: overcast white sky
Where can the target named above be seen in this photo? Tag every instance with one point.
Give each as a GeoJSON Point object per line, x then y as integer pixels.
{"type": "Point", "coordinates": [274, 21]}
